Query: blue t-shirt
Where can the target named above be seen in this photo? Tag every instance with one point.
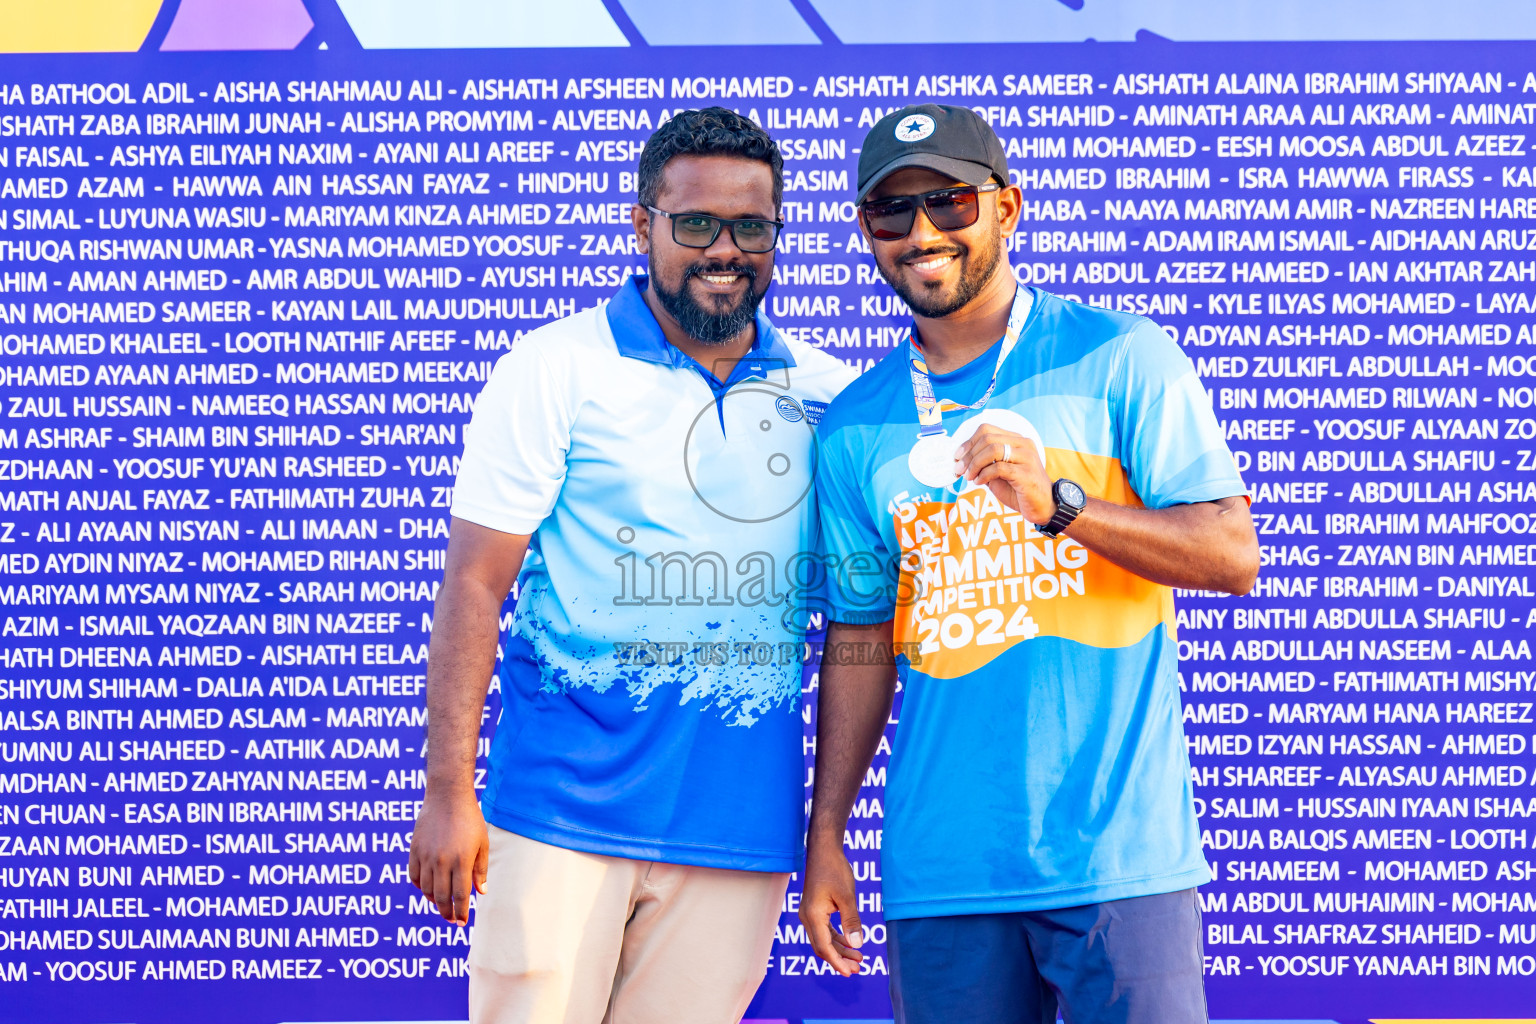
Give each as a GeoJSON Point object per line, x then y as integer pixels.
{"type": "Point", "coordinates": [1040, 759]}
{"type": "Point", "coordinates": [650, 680]}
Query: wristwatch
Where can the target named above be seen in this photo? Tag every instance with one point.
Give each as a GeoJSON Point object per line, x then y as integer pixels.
{"type": "Point", "coordinates": [1070, 500]}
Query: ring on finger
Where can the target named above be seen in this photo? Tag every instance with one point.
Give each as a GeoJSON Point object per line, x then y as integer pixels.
{"type": "Point", "coordinates": [1007, 452]}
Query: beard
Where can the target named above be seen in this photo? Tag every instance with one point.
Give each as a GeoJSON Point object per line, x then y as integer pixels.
{"type": "Point", "coordinates": [976, 269]}
{"type": "Point", "coordinates": [709, 324]}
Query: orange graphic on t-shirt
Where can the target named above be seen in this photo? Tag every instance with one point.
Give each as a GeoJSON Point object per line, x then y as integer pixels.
{"type": "Point", "coordinates": [978, 580]}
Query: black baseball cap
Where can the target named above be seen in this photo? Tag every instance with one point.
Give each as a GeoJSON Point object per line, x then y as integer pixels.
{"type": "Point", "coordinates": [950, 140]}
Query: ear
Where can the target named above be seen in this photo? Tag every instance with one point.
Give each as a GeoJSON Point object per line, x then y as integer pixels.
{"type": "Point", "coordinates": [640, 217]}
{"type": "Point", "coordinates": [1010, 203]}
{"type": "Point", "coordinates": [863, 230]}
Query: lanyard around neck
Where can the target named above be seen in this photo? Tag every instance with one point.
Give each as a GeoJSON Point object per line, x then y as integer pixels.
{"type": "Point", "coordinates": [931, 409]}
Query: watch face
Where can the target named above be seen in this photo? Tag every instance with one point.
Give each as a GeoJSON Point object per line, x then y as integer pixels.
{"type": "Point", "coordinates": [1071, 494]}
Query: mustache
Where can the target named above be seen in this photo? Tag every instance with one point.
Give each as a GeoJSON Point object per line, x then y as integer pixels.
{"type": "Point", "coordinates": [913, 255]}
{"type": "Point", "coordinates": [744, 269]}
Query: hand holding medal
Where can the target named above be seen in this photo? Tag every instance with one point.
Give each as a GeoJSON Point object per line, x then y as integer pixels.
{"type": "Point", "coordinates": [933, 457]}
{"type": "Point", "coordinates": [1009, 465]}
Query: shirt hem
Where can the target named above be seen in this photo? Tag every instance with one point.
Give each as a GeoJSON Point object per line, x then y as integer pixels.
{"type": "Point", "coordinates": [638, 848]}
{"type": "Point", "coordinates": [866, 618]}
{"type": "Point", "coordinates": [492, 521]}
{"type": "Point", "coordinates": [1213, 491]}
{"type": "Point", "coordinates": [1053, 899]}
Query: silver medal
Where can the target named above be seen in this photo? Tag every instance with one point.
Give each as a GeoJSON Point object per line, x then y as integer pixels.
{"type": "Point", "coordinates": [932, 460]}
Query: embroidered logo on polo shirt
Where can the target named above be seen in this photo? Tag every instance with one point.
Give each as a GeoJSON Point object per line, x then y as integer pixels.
{"type": "Point", "coordinates": [789, 409]}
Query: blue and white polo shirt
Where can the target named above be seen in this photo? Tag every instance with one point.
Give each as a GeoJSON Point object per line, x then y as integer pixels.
{"type": "Point", "coordinates": [651, 676]}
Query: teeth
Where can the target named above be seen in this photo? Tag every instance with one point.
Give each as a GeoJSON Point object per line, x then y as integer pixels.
{"type": "Point", "coordinates": [934, 263]}
{"type": "Point", "coordinates": [720, 278]}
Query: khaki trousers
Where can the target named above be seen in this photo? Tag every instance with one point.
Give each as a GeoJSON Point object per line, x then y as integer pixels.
{"type": "Point", "coordinates": [564, 937]}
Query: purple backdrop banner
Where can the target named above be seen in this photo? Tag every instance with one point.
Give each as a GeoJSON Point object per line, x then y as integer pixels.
{"type": "Point", "coordinates": [246, 303]}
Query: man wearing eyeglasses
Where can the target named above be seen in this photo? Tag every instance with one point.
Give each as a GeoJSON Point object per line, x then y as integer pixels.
{"type": "Point", "coordinates": [643, 471]}
{"type": "Point", "coordinates": [1014, 492]}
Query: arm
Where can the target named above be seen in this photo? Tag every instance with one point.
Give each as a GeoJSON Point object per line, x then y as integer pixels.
{"type": "Point", "coordinates": [449, 848]}
{"type": "Point", "coordinates": [1207, 545]}
{"type": "Point", "coordinates": [853, 707]}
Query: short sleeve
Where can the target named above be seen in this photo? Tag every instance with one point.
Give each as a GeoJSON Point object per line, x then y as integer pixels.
{"type": "Point", "coordinates": [515, 446]}
{"type": "Point", "coordinates": [861, 571]}
{"type": "Point", "coordinates": [1172, 447]}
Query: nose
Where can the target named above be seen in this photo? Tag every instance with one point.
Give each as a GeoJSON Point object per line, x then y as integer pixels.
{"type": "Point", "coordinates": [723, 248]}
{"type": "Point", "coordinates": [923, 233]}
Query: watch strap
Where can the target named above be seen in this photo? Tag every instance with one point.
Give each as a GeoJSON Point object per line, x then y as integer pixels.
{"type": "Point", "coordinates": [1064, 515]}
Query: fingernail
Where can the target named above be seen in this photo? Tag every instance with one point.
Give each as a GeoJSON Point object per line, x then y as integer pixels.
{"type": "Point", "coordinates": [856, 938]}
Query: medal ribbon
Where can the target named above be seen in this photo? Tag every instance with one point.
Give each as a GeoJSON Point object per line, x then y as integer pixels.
{"type": "Point", "coordinates": [931, 409]}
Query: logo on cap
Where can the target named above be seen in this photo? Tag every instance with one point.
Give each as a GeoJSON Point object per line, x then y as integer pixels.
{"type": "Point", "coordinates": [914, 128]}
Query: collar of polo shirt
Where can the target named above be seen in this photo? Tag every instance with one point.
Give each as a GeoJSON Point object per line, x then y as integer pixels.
{"type": "Point", "coordinates": [639, 336]}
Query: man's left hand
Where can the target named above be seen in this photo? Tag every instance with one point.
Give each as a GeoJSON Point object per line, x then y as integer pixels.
{"type": "Point", "coordinates": [1009, 466]}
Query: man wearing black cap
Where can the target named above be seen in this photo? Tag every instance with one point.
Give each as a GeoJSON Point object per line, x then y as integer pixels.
{"type": "Point", "coordinates": [1011, 496]}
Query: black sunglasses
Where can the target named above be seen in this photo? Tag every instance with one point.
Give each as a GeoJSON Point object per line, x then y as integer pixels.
{"type": "Point", "coordinates": [948, 208]}
{"type": "Point", "coordinates": [699, 230]}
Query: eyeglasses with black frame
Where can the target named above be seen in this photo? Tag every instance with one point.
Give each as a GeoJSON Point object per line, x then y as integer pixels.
{"type": "Point", "coordinates": [950, 209]}
{"type": "Point", "coordinates": [699, 230]}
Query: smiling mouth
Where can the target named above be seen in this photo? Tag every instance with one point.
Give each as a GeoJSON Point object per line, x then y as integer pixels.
{"type": "Point", "coordinates": [932, 262]}
{"type": "Point", "coordinates": [720, 277]}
